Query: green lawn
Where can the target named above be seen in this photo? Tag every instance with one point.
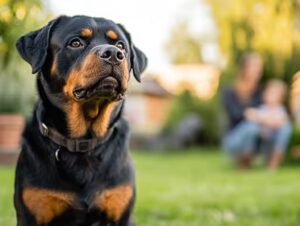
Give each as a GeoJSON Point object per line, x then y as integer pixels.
{"type": "Point", "coordinates": [199, 188]}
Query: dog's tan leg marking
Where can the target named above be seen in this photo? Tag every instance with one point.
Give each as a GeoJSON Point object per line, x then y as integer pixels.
{"type": "Point", "coordinates": [114, 201]}
{"type": "Point", "coordinates": [45, 205]}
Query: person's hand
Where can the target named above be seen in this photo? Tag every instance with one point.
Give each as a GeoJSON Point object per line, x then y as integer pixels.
{"type": "Point", "coordinates": [251, 114]}
{"type": "Point", "coordinates": [277, 121]}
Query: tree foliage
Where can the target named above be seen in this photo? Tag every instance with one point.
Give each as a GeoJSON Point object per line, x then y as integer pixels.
{"type": "Point", "coordinates": [182, 47]}
{"type": "Point", "coordinates": [16, 18]}
{"type": "Point", "coordinates": [271, 27]}
{"type": "Point", "coordinates": [208, 111]}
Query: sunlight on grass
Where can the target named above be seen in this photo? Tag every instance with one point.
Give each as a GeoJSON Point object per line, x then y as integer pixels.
{"type": "Point", "coordinates": [199, 188]}
{"type": "Point", "coordinates": [7, 213]}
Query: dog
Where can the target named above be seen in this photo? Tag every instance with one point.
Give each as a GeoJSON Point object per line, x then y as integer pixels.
{"type": "Point", "coordinates": [74, 168]}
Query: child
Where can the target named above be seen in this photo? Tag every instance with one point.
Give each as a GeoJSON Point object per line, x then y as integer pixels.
{"type": "Point", "coordinates": [273, 122]}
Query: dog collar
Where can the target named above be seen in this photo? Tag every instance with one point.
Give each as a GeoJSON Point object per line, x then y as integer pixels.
{"type": "Point", "coordinates": [72, 145]}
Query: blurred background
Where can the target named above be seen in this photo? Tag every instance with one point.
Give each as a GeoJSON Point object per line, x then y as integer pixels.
{"type": "Point", "coordinates": [177, 114]}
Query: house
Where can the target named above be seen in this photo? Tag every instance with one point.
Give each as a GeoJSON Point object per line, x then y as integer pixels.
{"type": "Point", "coordinates": [149, 103]}
{"type": "Point", "coordinates": [147, 106]}
{"type": "Point", "coordinates": [201, 79]}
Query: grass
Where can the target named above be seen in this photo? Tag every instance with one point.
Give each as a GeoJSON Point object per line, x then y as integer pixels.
{"type": "Point", "coordinates": [7, 214]}
{"type": "Point", "coordinates": [199, 188]}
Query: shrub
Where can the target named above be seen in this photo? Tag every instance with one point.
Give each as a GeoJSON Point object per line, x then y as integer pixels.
{"type": "Point", "coordinates": [208, 111]}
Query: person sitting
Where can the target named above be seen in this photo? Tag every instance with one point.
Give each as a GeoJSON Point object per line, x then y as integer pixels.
{"type": "Point", "coordinates": [272, 122]}
{"type": "Point", "coordinates": [240, 139]}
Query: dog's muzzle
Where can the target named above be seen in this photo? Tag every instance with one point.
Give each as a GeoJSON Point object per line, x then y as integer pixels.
{"type": "Point", "coordinates": [111, 54]}
{"type": "Point", "coordinates": [109, 84]}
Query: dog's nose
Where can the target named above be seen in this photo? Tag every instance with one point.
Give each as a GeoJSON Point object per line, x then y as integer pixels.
{"type": "Point", "coordinates": [111, 54]}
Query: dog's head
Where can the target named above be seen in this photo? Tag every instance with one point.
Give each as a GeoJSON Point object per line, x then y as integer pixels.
{"type": "Point", "coordinates": [83, 58]}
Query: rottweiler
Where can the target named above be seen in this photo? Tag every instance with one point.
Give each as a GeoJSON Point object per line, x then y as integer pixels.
{"type": "Point", "coordinates": [74, 168]}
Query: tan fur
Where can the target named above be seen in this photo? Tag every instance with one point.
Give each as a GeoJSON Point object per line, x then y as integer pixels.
{"type": "Point", "coordinates": [53, 70]}
{"type": "Point", "coordinates": [112, 34]}
{"type": "Point", "coordinates": [46, 205]}
{"type": "Point", "coordinates": [76, 119]}
{"type": "Point", "coordinates": [77, 123]}
{"type": "Point", "coordinates": [91, 109]}
{"type": "Point", "coordinates": [84, 75]}
{"type": "Point", "coordinates": [82, 115]}
{"type": "Point", "coordinates": [86, 32]}
{"type": "Point", "coordinates": [114, 201]}
{"type": "Point", "coordinates": [100, 125]}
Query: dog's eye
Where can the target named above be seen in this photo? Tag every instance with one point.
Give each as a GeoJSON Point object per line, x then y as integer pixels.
{"type": "Point", "coordinates": [75, 43]}
{"type": "Point", "coordinates": [120, 45]}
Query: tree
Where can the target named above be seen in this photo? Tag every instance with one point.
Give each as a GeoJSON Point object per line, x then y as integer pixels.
{"type": "Point", "coordinates": [270, 27]}
{"type": "Point", "coordinates": [16, 18]}
{"type": "Point", "coordinates": [182, 47]}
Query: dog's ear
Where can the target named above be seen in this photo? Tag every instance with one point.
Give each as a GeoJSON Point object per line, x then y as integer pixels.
{"type": "Point", "coordinates": [33, 47]}
{"type": "Point", "coordinates": [138, 58]}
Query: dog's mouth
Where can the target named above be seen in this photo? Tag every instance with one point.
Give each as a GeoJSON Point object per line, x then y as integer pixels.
{"type": "Point", "coordinates": [108, 87]}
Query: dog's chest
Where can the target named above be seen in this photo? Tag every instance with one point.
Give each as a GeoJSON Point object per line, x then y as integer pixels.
{"type": "Point", "coordinates": [49, 205]}
{"type": "Point", "coordinates": [82, 169]}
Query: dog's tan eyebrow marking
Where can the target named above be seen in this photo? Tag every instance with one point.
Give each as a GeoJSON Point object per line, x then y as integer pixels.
{"type": "Point", "coordinates": [112, 34]}
{"type": "Point", "coordinates": [86, 32]}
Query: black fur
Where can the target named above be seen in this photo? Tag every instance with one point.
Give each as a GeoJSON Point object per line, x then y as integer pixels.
{"type": "Point", "coordinates": [138, 58]}
{"type": "Point", "coordinates": [83, 174]}
{"type": "Point", "coordinates": [33, 47]}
